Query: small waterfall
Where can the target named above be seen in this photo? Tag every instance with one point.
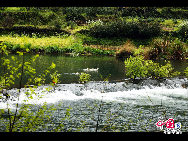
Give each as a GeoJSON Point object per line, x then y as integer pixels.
{"type": "Point", "coordinates": [146, 96]}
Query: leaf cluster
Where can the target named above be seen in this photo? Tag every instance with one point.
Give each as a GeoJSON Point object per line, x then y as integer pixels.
{"type": "Point", "coordinates": [183, 30]}
{"type": "Point", "coordinates": [168, 48]}
{"type": "Point", "coordinates": [186, 72]}
{"type": "Point", "coordinates": [84, 77]}
{"type": "Point", "coordinates": [10, 70]}
{"type": "Point", "coordinates": [23, 119]}
{"type": "Point", "coordinates": [138, 67]}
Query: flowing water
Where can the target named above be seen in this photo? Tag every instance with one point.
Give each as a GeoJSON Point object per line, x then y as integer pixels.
{"type": "Point", "coordinates": [106, 106]}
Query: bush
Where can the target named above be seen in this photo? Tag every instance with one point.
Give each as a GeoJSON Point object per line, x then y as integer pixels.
{"type": "Point", "coordinates": [186, 72]}
{"type": "Point", "coordinates": [122, 28]}
{"type": "Point", "coordinates": [20, 17]}
{"type": "Point", "coordinates": [138, 67]}
{"type": "Point", "coordinates": [84, 77]}
{"type": "Point", "coordinates": [168, 48]}
{"type": "Point", "coordinates": [140, 11]}
{"type": "Point", "coordinates": [74, 14]}
{"type": "Point", "coordinates": [135, 67]}
{"type": "Point", "coordinates": [82, 14]}
{"type": "Point", "coordinates": [113, 29]}
{"type": "Point", "coordinates": [148, 30]}
{"type": "Point", "coordinates": [7, 22]}
{"type": "Point", "coordinates": [78, 48]}
{"type": "Point", "coordinates": [183, 30]}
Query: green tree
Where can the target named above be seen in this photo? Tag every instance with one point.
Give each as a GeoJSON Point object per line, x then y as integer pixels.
{"type": "Point", "coordinates": [23, 119]}
{"type": "Point", "coordinates": [138, 67]}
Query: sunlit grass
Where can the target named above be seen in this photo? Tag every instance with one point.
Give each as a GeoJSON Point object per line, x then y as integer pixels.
{"type": "Point", "coordinates": [42, 42]}
{"type": "Point", "coordinates": [52, 44]}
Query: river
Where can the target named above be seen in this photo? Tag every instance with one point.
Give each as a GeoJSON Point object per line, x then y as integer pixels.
{"type": "Point", "coordinates": [117, 105]}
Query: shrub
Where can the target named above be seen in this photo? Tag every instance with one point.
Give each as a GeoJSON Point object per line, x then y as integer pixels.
{"type": "Point", "coordinates": [113, 29]}
{"type": "Point", "coordinates": [183, 30]}
{"type": "Point", "coordinates": [7, 22]}
{"type": "Point", "coordinates": [135, 67]}
{"type": "Point", "coordinates": [157, 71]}
{"type": "Point", "coordinates": [178, 50]}
{"type": "Point", "coordinates": [168, 48]}
{"type": "Point", "coordinates": [84, 77]}
{"type": "Point", "coordinates": [138, 67]}
{"type": "Point", "coordinates": [78, 48]}
{"type": "Point", "coordinates": [122, 28]}
{"type": "Point", "coordinates": [74, 14]}
{"type": "Point", "coordinates": [148, 30]}
{"type": "Point", "coordinates": [186, 72]}
{"type": "Point", "coordinates": [94, 23]}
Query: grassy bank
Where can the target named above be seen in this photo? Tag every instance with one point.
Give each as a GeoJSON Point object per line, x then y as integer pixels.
{"type": "Point", "coordinates": [155, 48]}
{"type": "Point", "coordinates": [39, 42]}
{"type": "Point", "coordinates": [53, 44]}
{"type": "Point", "coordinates": [156, 32]}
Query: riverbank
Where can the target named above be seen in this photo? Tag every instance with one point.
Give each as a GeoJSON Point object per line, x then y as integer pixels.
{"type": "Point", "coordinates": [51, 45]}
{"type": "Point", "coordinates": [114, 31]}
{"type": "Point", "coordinates": [155, 49]}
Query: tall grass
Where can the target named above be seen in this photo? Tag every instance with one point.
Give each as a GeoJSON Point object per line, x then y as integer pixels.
{"type": "Point", "coordinates": [42, 42]}
{"type": "Point", "coordinates": [52, 44]}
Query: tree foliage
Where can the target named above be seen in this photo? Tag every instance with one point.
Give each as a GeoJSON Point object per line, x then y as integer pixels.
{"type": "Point", "coordinates": [138, 67]}
{"type": "Point", "coordinates": [84, 77]}
{"type": "Point", "coordinates": [23, 119]}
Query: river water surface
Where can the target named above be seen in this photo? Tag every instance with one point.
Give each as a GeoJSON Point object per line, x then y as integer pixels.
{"type": "Point", "coordinates": [117, 105]}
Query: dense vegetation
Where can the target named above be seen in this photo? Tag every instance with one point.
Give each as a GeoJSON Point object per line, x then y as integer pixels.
{"type": "Point", "coordinates": [92, 30]}
{"type": "Point", "coordinates": [137, 67]}
{"type": "Point", "coordinates": [144, 34]}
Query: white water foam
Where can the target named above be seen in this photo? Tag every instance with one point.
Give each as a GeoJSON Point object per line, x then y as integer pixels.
{"type": "Point", "coordinates": [145, 96]}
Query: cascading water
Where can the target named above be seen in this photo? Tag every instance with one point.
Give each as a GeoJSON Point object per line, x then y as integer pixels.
{"type": "Point", "coordinates": [124, 105]}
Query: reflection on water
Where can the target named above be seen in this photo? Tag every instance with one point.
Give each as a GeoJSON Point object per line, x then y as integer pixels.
{"type": "Point", "coordinates": [70, 67]}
